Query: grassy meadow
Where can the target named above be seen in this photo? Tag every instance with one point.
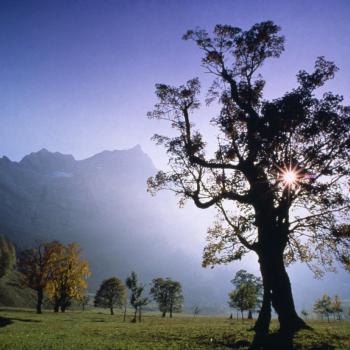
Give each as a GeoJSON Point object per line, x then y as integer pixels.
{"type": "Point", "coordinates": [96, 329]}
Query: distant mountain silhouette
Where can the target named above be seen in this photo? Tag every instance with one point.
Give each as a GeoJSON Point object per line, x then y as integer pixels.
{"type": "Point", "coordinates": [101, 202]}
{"type": "Point", "coordinates": [45, 162]}
{"type": "Point", "coordinates": [51, 195]}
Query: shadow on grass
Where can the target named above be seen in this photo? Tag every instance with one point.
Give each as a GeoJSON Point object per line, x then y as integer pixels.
{"type": "Point", "coordinates": [17, 310]}
{"type": "Point", "coordinates": [4, 321]}
{"type": "Point", "coordinates": [274, 341]}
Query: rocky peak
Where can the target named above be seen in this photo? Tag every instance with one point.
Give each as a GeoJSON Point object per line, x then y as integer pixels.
{"type": "Point", "coordinates": [45, 161]}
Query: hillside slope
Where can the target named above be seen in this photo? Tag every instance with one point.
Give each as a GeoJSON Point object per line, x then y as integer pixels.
{"type": "Point", "coordinates": [12, 292]}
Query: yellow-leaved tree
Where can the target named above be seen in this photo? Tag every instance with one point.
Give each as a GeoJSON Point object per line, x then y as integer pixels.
{"type": "Point", "coordinates": [69, 276]}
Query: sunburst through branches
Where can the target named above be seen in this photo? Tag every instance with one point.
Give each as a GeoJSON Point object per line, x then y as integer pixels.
{"type": "Point", "coordinates": [290, 177]}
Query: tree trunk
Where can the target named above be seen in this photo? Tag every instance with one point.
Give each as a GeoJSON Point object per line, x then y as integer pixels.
{"type": "Point", "coordinates": [263, 322]}
{"type": "Point", "coordinates": [242, 315]}
{"type": "Point", "coordinates": [124, 316]}
{"type": "Point", "coordinates": [164, 314]}
{"type": "Point", "coordinates": [135, 315]}
{"type": "Point", "coordinates": [140, 314]}
{"type": "Point", "coordinates": [111, 310]}
{"type": "Point", "coordinates": [250, 315]}
{"type": "Point", "coordinates": [56, 306]}
{"type": "Point", "coordinates": [276, 280]}
{"type": "Point", "coordinates": [63, 308]}
{"type": "Point", "coordinates": [39, 300]}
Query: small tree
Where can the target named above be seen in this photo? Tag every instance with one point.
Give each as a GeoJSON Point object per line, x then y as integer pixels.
{"type": "Point", "coordinates": [243, 298]}
{"type": "Point", "coordinates": [323, 306]}
{"type": "Point", "coordinates": [136, 299]}
{"type": "Point", "coordinates": [242, 278]}
{"type": "Point", "coordinates": [7, 256]}
{"type": "Point", "coordinates": [168, 294]}
{"type": "Point", "coordinates": [175, 297]}
{"type": "Point", "coordinates": [84, 301]}
{"type": "Point", "coordinates": [37, 266]}
{"type": "Point", "coordinates": [68, 280]}
{"type": "Point", "coordinates": [159, 291]}
{"type": "Point", "coordinates": [112, 293]}
{"type": "Point", "coordinates": [197, 310]}
{"type": "Point", "coordinates": [336, 307]}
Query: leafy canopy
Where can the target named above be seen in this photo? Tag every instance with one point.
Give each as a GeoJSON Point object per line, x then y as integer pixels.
{"type": "Point", "coordinates": [248, 291]}
{"type": "Point", "coordinates": [69, 274]}
{"type": "Point", "coordinates": [323, 306]}
{"type": "Point", "coordinates": [137, 289]}
{"type": "Point", "coordinates": [168, 294]}
{"type": "Point", "coordinates": [112, 293]}
{"type": "Point", "coordinates": [37, 265]}
{"type": "Point", "coordinates": [285, 161]}
{"type": "Point", "coordinates": [243, 298]}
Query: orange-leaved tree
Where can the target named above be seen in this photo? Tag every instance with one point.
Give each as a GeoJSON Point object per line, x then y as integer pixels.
{"type": "Point", "coordinates": [36, 266]}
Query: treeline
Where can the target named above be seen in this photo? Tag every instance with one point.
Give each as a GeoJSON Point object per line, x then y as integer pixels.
{"type": "Point", "coordinates": [165, 292]}
{"type": "Point", "coordinates": [326, 307]}
{"type": "Point", "coordinates": [59, 273]}
{"type": "Point", "coordinates": [248, 293]}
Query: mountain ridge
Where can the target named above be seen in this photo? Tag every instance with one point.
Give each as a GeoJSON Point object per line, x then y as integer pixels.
{"type": "Point", "coordinates": [102, 203]}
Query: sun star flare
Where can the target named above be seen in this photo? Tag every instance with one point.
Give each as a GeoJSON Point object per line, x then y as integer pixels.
{"type": "Point", "coordinates": [290, 177]}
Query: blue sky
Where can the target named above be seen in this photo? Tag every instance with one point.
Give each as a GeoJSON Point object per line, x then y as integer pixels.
{"type": "Point", "coordinates": [78, 76]}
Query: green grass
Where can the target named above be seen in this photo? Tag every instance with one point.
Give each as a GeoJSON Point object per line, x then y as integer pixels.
{"type": "Point", "coordinates": [95, 329]}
